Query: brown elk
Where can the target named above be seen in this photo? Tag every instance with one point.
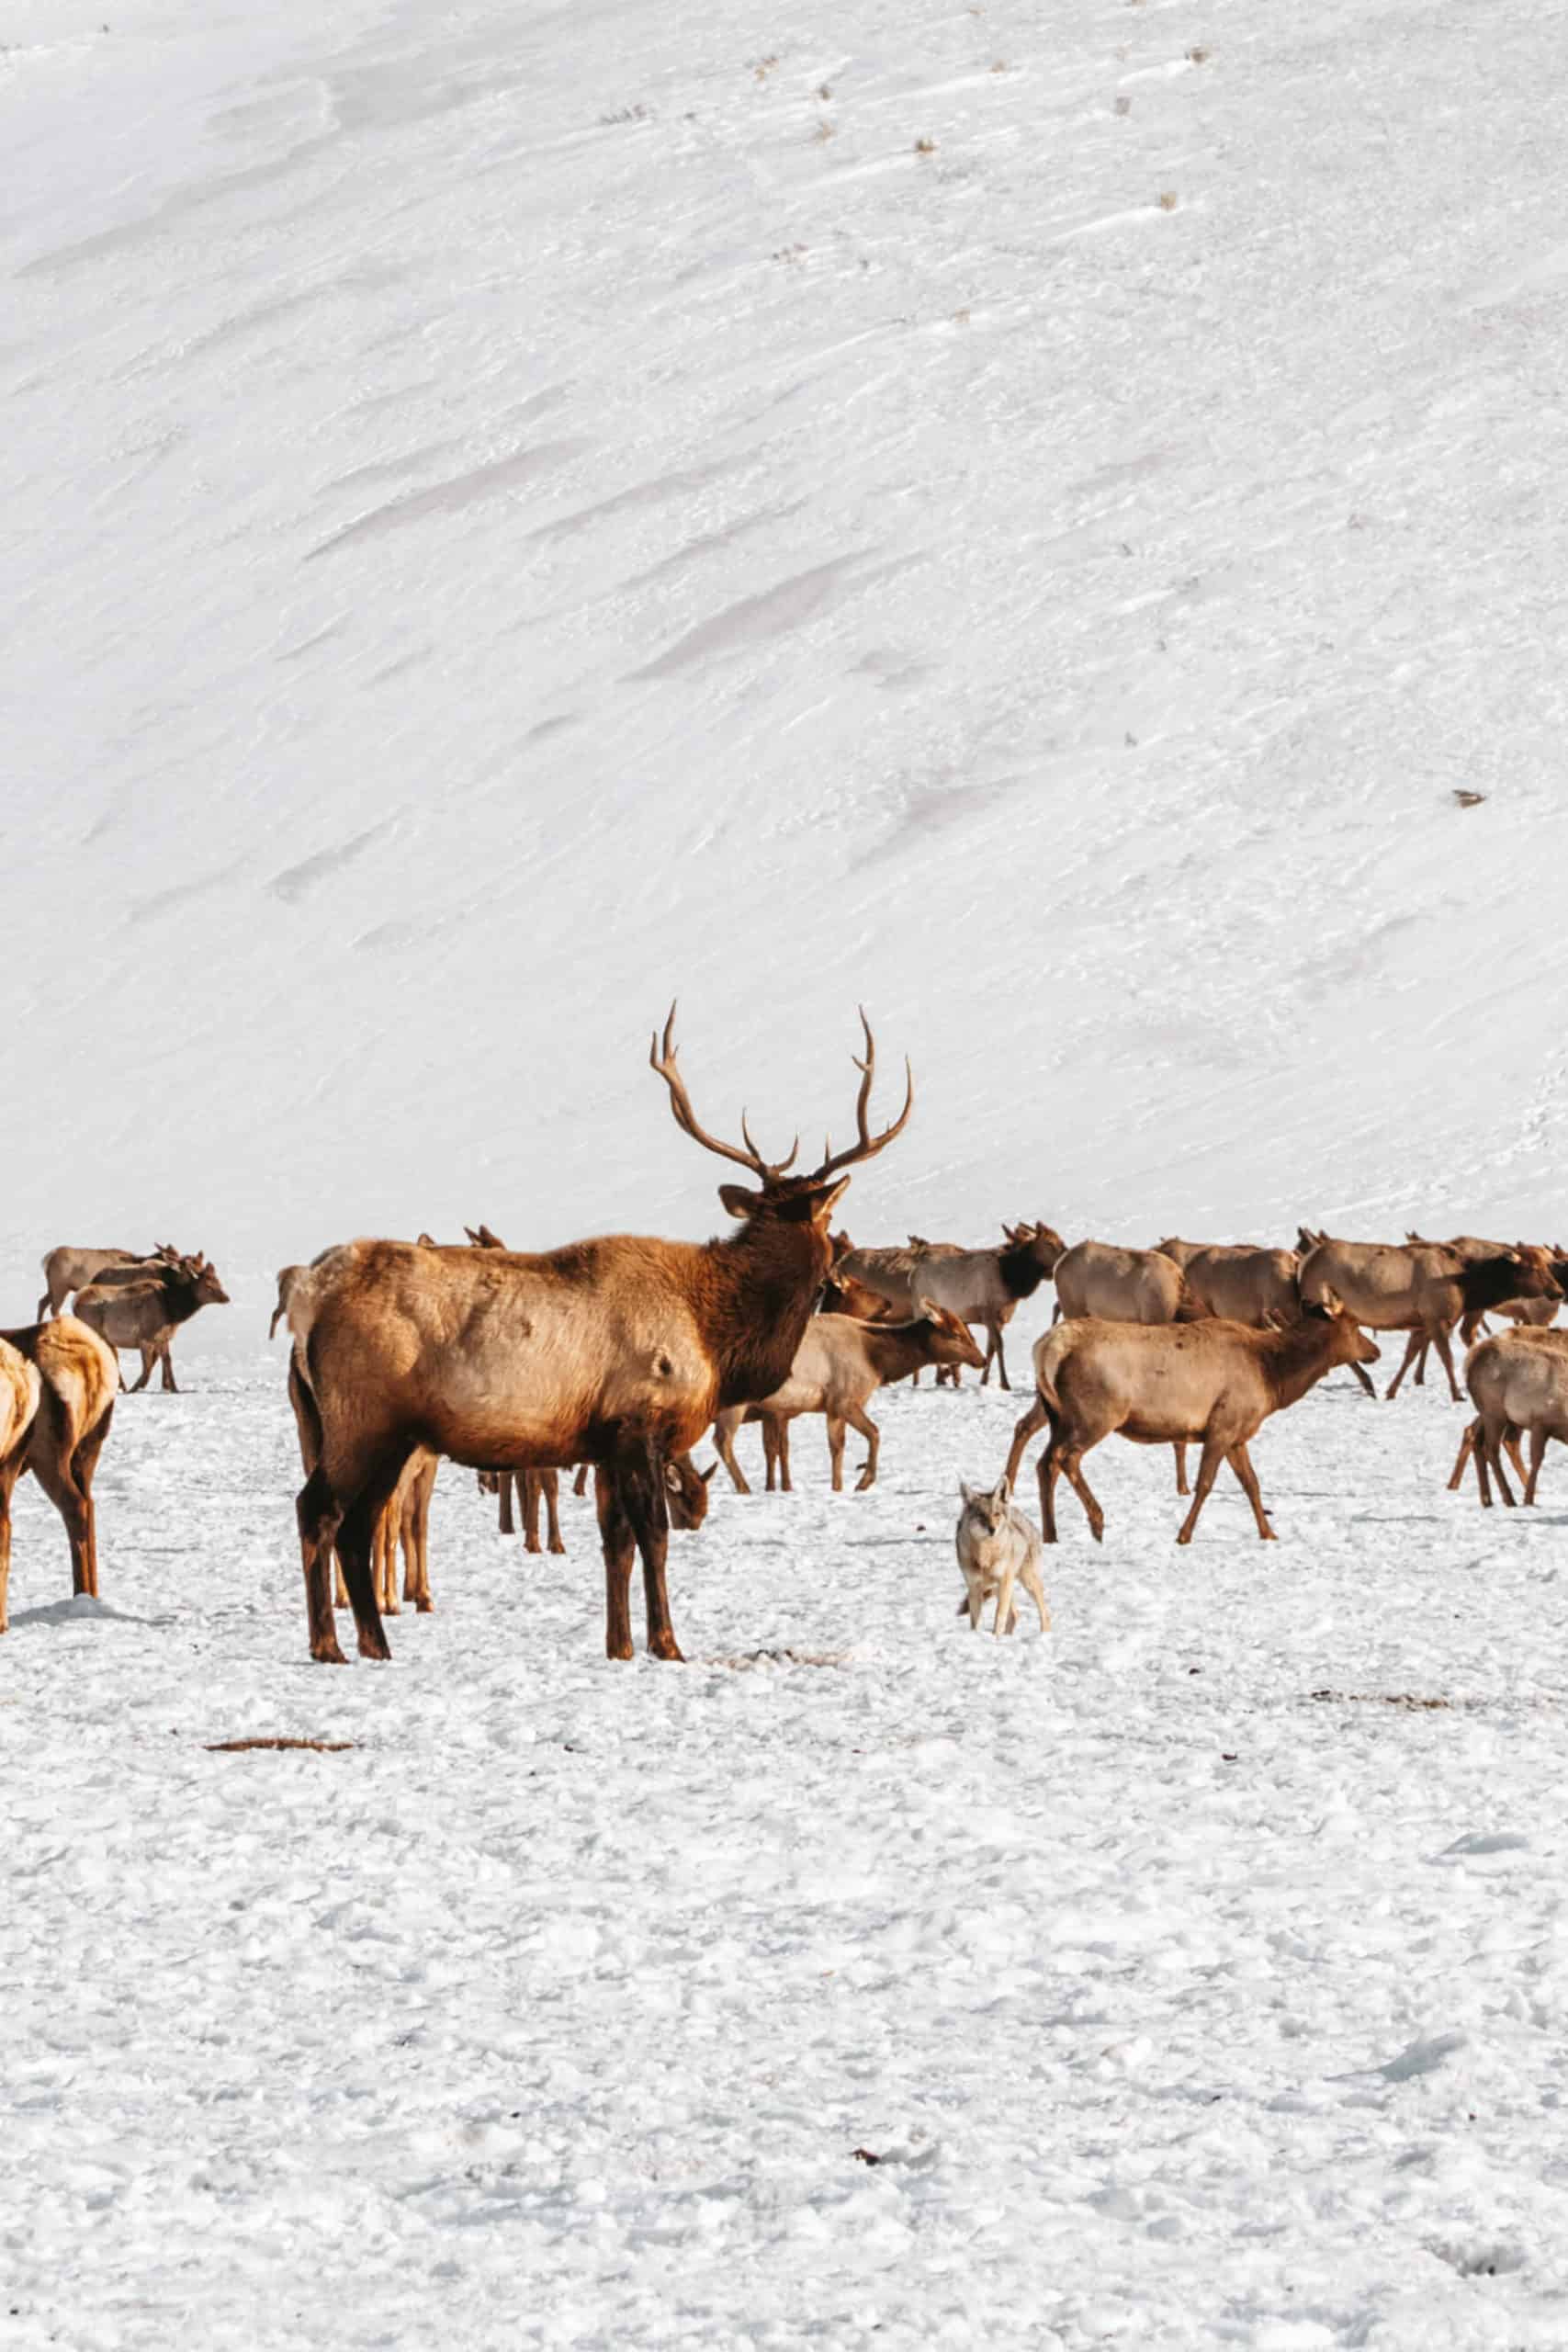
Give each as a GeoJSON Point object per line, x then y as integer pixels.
{"type": "Point", "coordinates": [985, 1286]}
{"type": "Point", "coordinates": [146, 1314]}
{"type": "Point", "coordinates": [1422, 1290]}
{"type": "Point", "coordinates": [1518, 1385]}
{"type": "Point", "coordinates": [617, 1351]}
{"type": "Point", "coordinates": [18, 1405]}
{"type": "Point", "coordinates": [838, 1366]}
{"type": "Point", "coordinates": [78, 1380]}
{"type": "Point", "coordinates": [1535, 1314]}
{"type": "Point", "coordinates": [1161, 1383]}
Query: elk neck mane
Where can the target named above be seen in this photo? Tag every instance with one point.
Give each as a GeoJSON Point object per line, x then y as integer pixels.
{"type": "Point", "coordinates": [753, 1293]}
{"type": "Point", "coordinates": [1021, 1269]}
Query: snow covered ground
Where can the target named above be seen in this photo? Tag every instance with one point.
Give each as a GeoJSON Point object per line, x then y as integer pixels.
{"type": "Point", "coordinates": [1184, 2006]}
{"type": "Point", "coordinates": [1022, 517]}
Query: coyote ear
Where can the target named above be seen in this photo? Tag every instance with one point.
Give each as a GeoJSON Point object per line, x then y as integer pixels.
{"type": "Point", "coordinates": [967, 1490]}
{"type": "Point", "coordinates": [1002, 1490]}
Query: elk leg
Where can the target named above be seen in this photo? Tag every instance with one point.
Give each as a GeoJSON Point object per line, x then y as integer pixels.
{"type": "Point", "coordinates": [1241, 1462]}
{"type": "Point", "coordinates": [1365, 1378]}
{"type": "Point", "coordinates": [531, 1501]}
{"type": "Point", "coordinates": [1050, 1469]}
{"type": "Point", "coordinates": [1413, 1343]}
{"type": "Point", "coordinates": [1208, 1471]}
{"type": "Point", "coordinates": [84, 1464]}
{"type": "Point", "coordinates": [506, 1524]}
{"type": "Point", "coordinates": [770, 1455]}
{"type": "Point", "coordinates": [1032, 1421]}
{"type": "Point", "coordinates": [859, 1418]}
{"type": "Point", "coordinates": [167, 1360]}
{"type": "Point", "coordinates": [781, 1438]}
{"type": "Point", "coordinates": [10, 1471]}
{"type": "Point", "coordinates": [1001, 1361]}
{"type": "Point", "coordinates": [1419, 1376]}
{"type": "Point", "coordinates": [1466, 1448]}
{"type": "Point", "coordinates": [639, 1473]}
{"type": "Point", "coordinates": [384, 1558]}
{"type": "Point", "coordinates": [724, 1429]}
{"type": "Point", "coordinates": [317, 1512]}
{"type": "Point", "coordinates": [1070, 1459]}
{"type": "Point", "coordinates": [1179, 1448]}
{"type": "Point", "coordinates": [1445, 1352]}
{"type": "Point", "coordinates": [580, 1483]}
{"type": "Point", "coordinates": [149, 1358]}
{"type": "Point", "coordinates": [355, 1538]}
{"type": "Point", "coordinates": [55, 1478]}
{"type": "Point", "coordinates": [551, 1482]}
{"type": "Point", "coordinates": [620, 1549]}
{"type": "Point", "coordinates": [1538, 1455]}
{"type": "Point", "coordinates": [836, 1452]}
{"type": "Point", "coordinates": [1492, 1454]}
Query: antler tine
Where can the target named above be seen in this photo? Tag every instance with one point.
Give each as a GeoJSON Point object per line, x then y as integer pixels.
{"type": "Point", "coordinates": [662, 1057]}
{"type": "Point", "coordinates": [866, 1146]}
{"type": "Point", "coordinates": [780, 1168]}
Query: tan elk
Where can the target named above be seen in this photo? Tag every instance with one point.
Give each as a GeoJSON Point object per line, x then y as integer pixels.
{"type": "Point", "coordinates": [1238, 1282]}
{"type": "Point", "coordinates": [985, 1286]}
{"type": "Point", "coordinates": [838, 1366]}
{"type": "Point", "coordinates": [1162, 1384]}
{"type": "Point", "coordinates": [78, 1380]}
{"type": "Point", "coordinates": [67, 1270]}
{"type": "Point", "coordinates": [1124, 1286]}
{"type": "Point", "coordinates": [145, 1314]}
{"type": "Point", "coordinates": [617, 1351]}
{"type": "Point", "coordinates": [1518, 1385]}
{"type": "Point", "coordinates": [1422, 1290]}
{"type": "Point", "coordinates": [1534, 1314]}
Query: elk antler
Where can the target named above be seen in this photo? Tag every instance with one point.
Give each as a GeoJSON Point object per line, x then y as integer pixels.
{"type": "Point", "coordinates": [661, 1057]}
{"type": "Point", "coordinates": [866, 1144]}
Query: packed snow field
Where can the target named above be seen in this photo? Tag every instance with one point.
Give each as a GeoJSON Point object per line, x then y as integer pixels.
{"type": "Point", "coordinates": [1198, 1973]}
{"type": "Point", "coordinates": [1023, 518]}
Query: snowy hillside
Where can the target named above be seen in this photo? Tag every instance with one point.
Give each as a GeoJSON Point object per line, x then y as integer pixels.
{"type": "Point", "coordinates": [511, 512]}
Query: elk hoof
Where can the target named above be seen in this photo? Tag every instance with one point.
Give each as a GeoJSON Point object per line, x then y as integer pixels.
{"type": "Point", "coordinates": [327, 1653]}
{"type": "Point", "coordinates": [374, 1646]}
{"type": "Point", "coordinates": [559, 1548]}
{"type": "Point", "coordinates": [620, 1651]}
{"type": "Point", "coordinates": [423, 1605]}
{"type": "Point", "coordinates": [665, 1646]}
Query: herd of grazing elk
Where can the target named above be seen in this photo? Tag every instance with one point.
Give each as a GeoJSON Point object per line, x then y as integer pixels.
{"type": "Point", "coordinates": [615, 1355]}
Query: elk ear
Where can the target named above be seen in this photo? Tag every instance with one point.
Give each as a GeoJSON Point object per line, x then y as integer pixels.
{"type": "Point", "coordinates": [738, 1201]}
{"type": "Point", "coordinates": [926, 1312]}
{"type": "Point", "coordinates": [428, 1241]}
{"type": "Point", "coordinates": [1330, 1300]}
{"type": "Point", "coordinates": [820, 1204]}
{"type": "Point", "coordinates": [672, 1477]}
{"type": "Point", "coordinates": [706, 1475]}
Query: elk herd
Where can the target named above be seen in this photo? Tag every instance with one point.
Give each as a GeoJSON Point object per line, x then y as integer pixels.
{"type": "Point", "coordinates": [615, 1355]}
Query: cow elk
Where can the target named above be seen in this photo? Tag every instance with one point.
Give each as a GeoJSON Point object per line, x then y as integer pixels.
{"type": "Point", "coordinates": [1518, 1385]}
{"type": "Point", "coordinates": [146, 1314]}
{"type": "Point", "coordinates": [78, 1379]}
{"type": "Point", "coordinates": [1238, 1282]}
{"type": "Point", "coordinates": [838, 1366]}
{"type": "Point", "coordinates": [1163, 1383]}
{"type": "Point", "coordinates": [1421, 1289]}
{"type": "Point", "coordinates": [985, 1286]}
{"type": "Point", "coordinates": [67, 1270]}
{"type": "Point", "coordinates": [617, 1351]}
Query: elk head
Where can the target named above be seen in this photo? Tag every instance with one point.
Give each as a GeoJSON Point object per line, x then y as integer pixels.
{"type": "Point", "coordinates": [785, 1200]}
{"type": "Point", "coordinates": [203, 1279]}
{"type": "Point", "coordinates": [1348, 1342]}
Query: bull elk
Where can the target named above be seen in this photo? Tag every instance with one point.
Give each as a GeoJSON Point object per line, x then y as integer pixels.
{"type": "Point", "coordinates": [1160, 1384]}
{"type": "Point", "coordinates": [78, 1379]}
{"type": "Point", "coordinates": [617, 1351]}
